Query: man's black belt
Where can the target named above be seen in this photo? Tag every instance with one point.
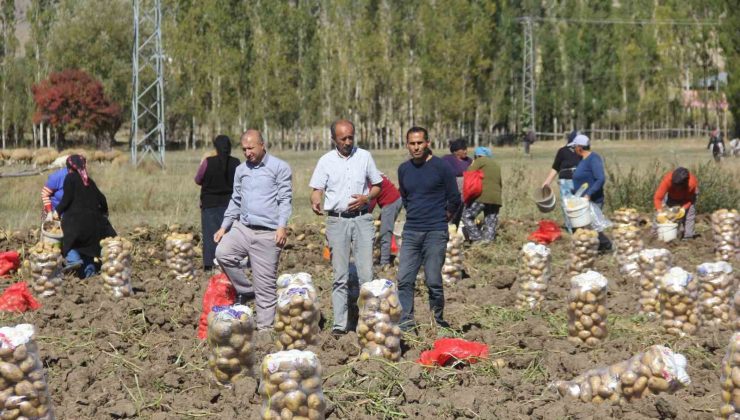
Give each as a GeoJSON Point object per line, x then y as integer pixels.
{"type": "Point", "coordinates": [258, 227]}
{"type": "Point", "coordinates": [346, 214]}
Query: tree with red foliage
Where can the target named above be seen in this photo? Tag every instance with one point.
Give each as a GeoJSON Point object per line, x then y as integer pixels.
{"type": "Point", "coordinates": [74, 100]}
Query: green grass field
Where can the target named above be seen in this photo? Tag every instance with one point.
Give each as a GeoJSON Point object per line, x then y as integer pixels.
{"type": "Point", "coordinates": [149, 195]}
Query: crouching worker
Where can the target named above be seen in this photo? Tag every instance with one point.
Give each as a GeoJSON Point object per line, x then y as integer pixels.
{"type": "Point", "coordinates": [255, 225]}
{"type": "Point", "coordinates": [85, 219]}
{"type": "Point", "coordinates": [489, 202]}
{"type": "Point", "coordinates": [679, 188]}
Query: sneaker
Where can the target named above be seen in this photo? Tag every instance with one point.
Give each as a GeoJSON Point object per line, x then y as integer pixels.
{"type": "Point", "coordinates": [71, 267]}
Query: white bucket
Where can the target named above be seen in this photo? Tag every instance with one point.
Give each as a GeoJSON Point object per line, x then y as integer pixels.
{"type": "Point", "coordinates": [578, 211]}
{"type": "Point", "coordinates": [667, 231]}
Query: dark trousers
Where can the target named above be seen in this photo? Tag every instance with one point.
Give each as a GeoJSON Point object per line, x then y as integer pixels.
{"type": "Point", "coordinates": [605, 244]}
{"type": "Point", "coordinates": [490, 221]}
{"type": "Point", "coordinates": [422, 249]}
{"type": "Point", "coordinates": [210, 220]}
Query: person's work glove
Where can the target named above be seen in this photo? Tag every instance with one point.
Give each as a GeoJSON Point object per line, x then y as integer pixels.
{"type": "Point", "coordinates": [48, 217]}
{"type": "Point", "coordinates": [55, 215]}
{"type": "Point", "coordinates": [680, 213]}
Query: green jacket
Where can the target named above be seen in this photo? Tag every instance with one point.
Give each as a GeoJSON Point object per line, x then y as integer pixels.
{"type": "Point", "coordinates": [492, 186]}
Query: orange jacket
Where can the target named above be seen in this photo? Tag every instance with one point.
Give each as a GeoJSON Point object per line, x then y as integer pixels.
{"type": "Point", "coordinates": [687, 196]}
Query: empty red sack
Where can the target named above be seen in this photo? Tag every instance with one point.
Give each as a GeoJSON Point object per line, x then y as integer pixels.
{"type": "Point", "coordinates": [548, 232]}
{"type": "Point", "coordinates": [18, 298]}
{"type": "Point", "coordinates": [220, 292]}
{"type": "Point", "coordinates": [9, 261]}
{"type": "Point", "coordinates": [453, 349]}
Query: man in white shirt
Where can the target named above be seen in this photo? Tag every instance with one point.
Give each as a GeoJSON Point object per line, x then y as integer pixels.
{"type": "Point", "coordinates": [341, 178]}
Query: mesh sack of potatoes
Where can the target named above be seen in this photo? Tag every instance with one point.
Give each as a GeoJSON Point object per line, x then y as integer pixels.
{"type": "Point", "coordinates": [725, 224]}
{"type": "Point", "coordinates": [654, 264]}
{"type": "Point", "coordinates": [679, 313]}
{"type": "Point", "coordinates": [716, 284]}
{"type": "Point", "coordinates": [230, 330]}
{"type": "Point", "coordinates": [587, 308]}
{"type": "Point", "coordinates": [585, 248]}
{"type": "Point", "coordinates": [626, 216]}
{"type": "Point", "coordinates": [293, 279]}
{"type": "Point", "coordinates": [730, 380]}
{"type": "Point", "coordinates": [179, 253]}
{"type": "Point", "coordinates": [116, 268]}
{"type": "Point", "coordinates": [627, 242]}
{"type": "Point", "coordinates": [377, 327]}
{"type": "Point", "coordinates": [452, 270]}
{"type": "Point", "coordinates": [654, 371]}
{"type": "Point", "coordinates": [44, 267]}
{"type": "Point", "coordinates": [23, 388]}
{"type": "Point", "coordinates": [290, 386]}
{"type": "Point", "coordinates": [297, 317]}
{"type": "Point", "coordinates": [735, 313]}
{"type": "Point", "coordinates": [534, 275]}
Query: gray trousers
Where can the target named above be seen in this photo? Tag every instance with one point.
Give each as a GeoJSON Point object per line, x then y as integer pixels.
{"type": "Point", "coordinates": [388, 216]}
{"type": "Point", "coordinates": [344, 234]}
{"type": "Point", "coordinates": [263, 253]}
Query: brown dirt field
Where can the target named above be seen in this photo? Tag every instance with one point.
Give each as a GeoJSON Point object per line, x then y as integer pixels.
{"type": "Point", "coordinates": [140, 358]}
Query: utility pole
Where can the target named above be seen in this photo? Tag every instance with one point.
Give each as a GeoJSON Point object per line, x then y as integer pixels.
{"type": "Point", "coordinates": [147, 101]}
{"type": "Point", "coordinates": [528, 67]}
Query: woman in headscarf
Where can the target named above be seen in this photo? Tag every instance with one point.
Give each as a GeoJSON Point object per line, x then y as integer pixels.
{"type": "Point", "coordinates": [216, 179]}
{"type": "Point", "coordinates": [85, 219]}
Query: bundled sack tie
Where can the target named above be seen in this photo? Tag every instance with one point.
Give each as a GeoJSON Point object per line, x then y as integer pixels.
{"type": "Point", "coordinates": [9, 261]}
{"type": "Point", "coordinates": [453, 349]}
{"type": "Point", "coordinates": [220, 292]}
{"type": "Point", "coordinates": [548, 232]}
{"type": "Point", "coordinates": [18, 298]}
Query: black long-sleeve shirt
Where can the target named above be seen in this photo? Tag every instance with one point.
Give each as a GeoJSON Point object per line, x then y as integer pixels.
{"type": "Point", "coordinates": [429, 191]}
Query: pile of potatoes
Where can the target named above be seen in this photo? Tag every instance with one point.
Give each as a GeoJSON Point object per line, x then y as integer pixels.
{"type": "Point", "coordinates": [735, 314]}
{"type": "Point", "coordinates": [44, 266]}
{"type": "Point", "coordinates": [452, 269]}
{"type": "Point", "coordinates": [290, 386]}
{"type": "Point", "coordinates": [585, 250]}
{"type": "Point", "coordinates": [628, 245]}
{"type": "Point", "coordinates": [654, 264]}
{"type": "Point", "coordinates": [679, 312]}
{"type": "Point", "coordinates": [716, 283]}
{"type": "Point", "coordinates": [23, 388]}
{"type": "Point", "coordinates": [230, 330]}
{"type": "Point", "coordinates": [725, 224]}
{"type": "Point", "coordinates": [730, 380]}
{"type": "Point", "coordinates": [377, 327]}
{"type": "Point", "coordinates": [116, 268]}
{"type": "Point", "coordinates": [297, 279]}
{"type": "Point", "coordinates": [654, 371]}
{"type": "Point", "coordinates": [297, 317]}
{"type": "Point", "coordinates": [534, 275]}
{"type": "Point", "coordinates": [179, 253]}
{"type": "Point", "coordinates": [587, 308]}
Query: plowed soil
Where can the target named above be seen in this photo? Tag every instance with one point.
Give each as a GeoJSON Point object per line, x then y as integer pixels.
{"type": "Point", "coordinates": [140, 358]}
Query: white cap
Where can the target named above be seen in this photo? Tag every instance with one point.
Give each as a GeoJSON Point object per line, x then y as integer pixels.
{"type": "Point", "coordinates": [580, 140]}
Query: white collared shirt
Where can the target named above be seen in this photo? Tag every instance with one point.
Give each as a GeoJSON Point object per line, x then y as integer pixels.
{"type": "Point", "coordinates": [341, 177]}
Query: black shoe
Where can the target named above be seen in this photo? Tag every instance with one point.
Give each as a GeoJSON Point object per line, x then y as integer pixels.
{"type": "Point", "coordinates": [443, 324]}
{"type": "Point", "coordinates": [244, 298]}
{"type": "Point", "coordinates": [338, 333]}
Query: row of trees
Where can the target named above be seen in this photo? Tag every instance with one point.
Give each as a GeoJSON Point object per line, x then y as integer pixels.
{"type": "Point", "coordinates": [291, 67]}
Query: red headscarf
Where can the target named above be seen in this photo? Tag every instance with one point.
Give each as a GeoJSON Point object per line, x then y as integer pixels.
{"type": "Point", "coordinates": [78, 164]}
